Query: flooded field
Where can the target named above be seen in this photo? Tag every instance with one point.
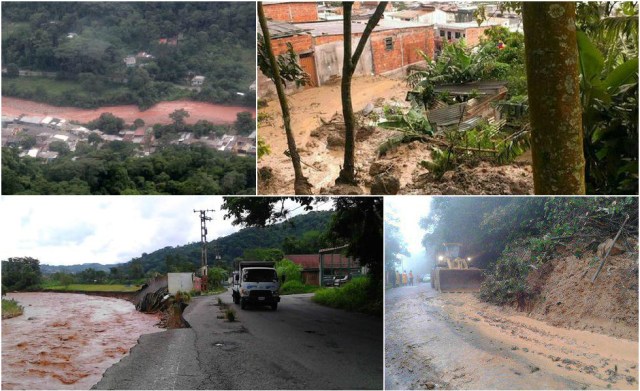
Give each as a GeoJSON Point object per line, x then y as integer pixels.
{"type": "Point", "coordinates": [158, 114]}
{"type": "Point", "coordinates": [67, 341]}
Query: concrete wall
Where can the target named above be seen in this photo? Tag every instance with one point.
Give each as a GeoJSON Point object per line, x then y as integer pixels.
{"type": "Point", "coordinates": [329, 58]}
{"type": "Point", "coordinates": [180, 282]}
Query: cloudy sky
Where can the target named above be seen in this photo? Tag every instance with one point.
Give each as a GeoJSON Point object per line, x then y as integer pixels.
{"type": "Point", "coordinates": [82, 229]}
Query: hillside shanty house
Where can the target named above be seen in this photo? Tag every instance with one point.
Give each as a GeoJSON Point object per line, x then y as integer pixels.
{"type": "Point", "coordinates": [197, 81]}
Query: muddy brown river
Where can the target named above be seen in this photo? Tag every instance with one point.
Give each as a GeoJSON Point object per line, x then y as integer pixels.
{"type": "Point", "coordinates": [158, 114]}
{"type": "Point", "coordinates": [67, 341]}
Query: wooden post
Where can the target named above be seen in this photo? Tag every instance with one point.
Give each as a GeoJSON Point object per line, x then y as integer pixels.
{"type": "Point", "coordinates": [610, 248]}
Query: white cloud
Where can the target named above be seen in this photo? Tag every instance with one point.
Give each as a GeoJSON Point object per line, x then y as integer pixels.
{"type": "Point", "coordinates": [72, 230]}
{"type": "Point", "coordinates": [68, 230]}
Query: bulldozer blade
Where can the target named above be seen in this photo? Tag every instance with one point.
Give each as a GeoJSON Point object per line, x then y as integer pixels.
{"type": "Point", "coordinates": [459, 280]}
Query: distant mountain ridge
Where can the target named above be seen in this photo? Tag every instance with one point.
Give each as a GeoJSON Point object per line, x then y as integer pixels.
{"type": "Point", "coordinates": [228, 247]}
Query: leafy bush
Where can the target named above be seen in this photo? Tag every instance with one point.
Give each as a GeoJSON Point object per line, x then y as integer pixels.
{"type": "Point", "coordinates": [296, 287]}
{"type": "Point", "coordinates": [355, 295]}
{"type": "Point", "coordinates": [291, 270]}
{"type": "Point", "coordinates": [505, 282]}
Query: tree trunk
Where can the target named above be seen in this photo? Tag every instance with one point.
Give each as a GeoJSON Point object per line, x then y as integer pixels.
{"type": "Point", "coordinates": [347, 173]}
{"type": "Point", "coordinates": [301, 184]}
{"type": "Point", "coordinates": [551, 52]}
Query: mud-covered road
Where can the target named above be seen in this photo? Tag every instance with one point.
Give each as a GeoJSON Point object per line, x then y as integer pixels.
{"type": "Point", "coordinates": [302, 345]}
{"type": "Point", "coordinates": [454, 341]}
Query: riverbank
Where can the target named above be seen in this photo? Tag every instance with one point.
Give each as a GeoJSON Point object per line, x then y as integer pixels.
{"type": "Point", "coordinates": [67, 341]}
{"type": "Point", "coordinates": [157, 114]}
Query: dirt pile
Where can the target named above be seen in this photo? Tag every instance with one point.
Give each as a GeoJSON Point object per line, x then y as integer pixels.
{"type": "Point", "coordinates": [567, 297]}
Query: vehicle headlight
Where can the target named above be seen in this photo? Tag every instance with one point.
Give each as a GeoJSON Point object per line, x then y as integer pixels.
{"type": "Point", "coordinates": [275, 293]}
{"type": "Point", "coordinates": [244, 292]}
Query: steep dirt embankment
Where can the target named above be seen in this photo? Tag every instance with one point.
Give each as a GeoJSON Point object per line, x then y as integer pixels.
{"type": "Point", "coordinates": [566, 296]}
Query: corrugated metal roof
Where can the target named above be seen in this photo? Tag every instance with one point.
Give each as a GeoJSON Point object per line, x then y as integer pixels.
{"type": "Point", "coordinates": [334, 27]}
{"type": "Point", "coordinates": [449, 115]}
{"type": "Point", "coordinates": [282, 29]}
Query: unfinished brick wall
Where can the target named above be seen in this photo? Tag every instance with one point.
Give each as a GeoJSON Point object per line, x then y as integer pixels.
{"type": "Point", "coordinates": [300, 43]}
{"type": "Point", "coordinates": [474, 34]}
{"type": "Point", "coordinates": [294, 12]}
{"type": "Point", "coordinates": [404, 51]}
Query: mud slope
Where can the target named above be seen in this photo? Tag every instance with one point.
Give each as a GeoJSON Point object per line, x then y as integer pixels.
{"type": "Point", "coordinates": [569, 299]}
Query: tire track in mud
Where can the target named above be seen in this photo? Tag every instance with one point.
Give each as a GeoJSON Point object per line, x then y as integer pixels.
{"type": "Point", "coordinates": [453, 341]}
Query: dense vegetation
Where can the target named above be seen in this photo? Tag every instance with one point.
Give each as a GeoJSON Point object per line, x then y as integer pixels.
{"type": "Point", "coordinates": [608, 65]}
{"type": "Point", "coordinates": [84, 45]}
{"type": "Point", "coordinates": [510, 236]}
{"type": "Point", "coordinates": [115, 169]}
{"type": "Point", "coordinates": [20, 274]}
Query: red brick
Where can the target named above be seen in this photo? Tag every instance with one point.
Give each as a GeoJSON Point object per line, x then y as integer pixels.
{"type": "Point", "coordinates": [293, 12]}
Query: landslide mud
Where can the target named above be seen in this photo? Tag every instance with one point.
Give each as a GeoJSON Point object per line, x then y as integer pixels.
{"type": "Point", "coordinates": [157, 114]}
{"type": "Point", "coordinates": [316, 121]}
{"type": "Point", "coordinates": [67, 341]}
{"type": "Point", "coordinates": [454, 341]}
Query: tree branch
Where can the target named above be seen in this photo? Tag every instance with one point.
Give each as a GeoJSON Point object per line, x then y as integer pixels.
{"type": "Point", "coordinates": [371, 24]}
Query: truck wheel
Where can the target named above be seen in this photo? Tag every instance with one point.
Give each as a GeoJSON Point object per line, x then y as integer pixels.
{"type": "Point", "coordinates": [274, 306]}
{"type": "Point", "coordinates": [243, 304]}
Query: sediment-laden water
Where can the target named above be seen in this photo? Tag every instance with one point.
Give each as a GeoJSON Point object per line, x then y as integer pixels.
{"type": "Point", "coordinates": [67, 341]}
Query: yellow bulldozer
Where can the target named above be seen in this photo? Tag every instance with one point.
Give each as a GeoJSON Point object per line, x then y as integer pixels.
{"type": "Point", "coordinates": [452, 272]}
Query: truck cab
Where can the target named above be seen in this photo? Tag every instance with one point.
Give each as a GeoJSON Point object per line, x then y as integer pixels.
{"type": "Point", "coordinates": [256, 283]}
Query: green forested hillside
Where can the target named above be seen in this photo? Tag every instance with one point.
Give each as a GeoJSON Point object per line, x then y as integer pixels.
{"type": "Point", "coordinates": [85, 44]}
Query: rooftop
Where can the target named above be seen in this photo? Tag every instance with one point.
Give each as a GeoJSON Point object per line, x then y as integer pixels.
{"type": "Point", "coordinates": [334, 27]}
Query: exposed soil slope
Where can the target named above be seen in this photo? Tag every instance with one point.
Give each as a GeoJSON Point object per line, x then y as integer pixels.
{"type": "Point", "coordinates": [569, 299]}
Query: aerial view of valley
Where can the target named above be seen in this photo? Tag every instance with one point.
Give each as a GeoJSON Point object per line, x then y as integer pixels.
{"type": "Point", "coordinates": [128, 98]}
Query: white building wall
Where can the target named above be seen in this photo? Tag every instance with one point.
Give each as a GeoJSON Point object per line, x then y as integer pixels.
{"type": "Point", "coordinates": [180, 282]}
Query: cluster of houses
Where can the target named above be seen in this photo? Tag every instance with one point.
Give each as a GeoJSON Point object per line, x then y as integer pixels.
{"type": "Point", "coordinates": [46, 130]}
{"type": "Point", "coordinates": [315, 31]}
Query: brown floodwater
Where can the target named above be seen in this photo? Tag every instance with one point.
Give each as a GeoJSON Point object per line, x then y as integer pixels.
{"type": "Point", "coordinates": [157, 114]}
{"type": "Point", "coordinates": [67, 341]}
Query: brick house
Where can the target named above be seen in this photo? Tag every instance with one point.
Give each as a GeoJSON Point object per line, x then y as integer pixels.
{"type": "Point", "coordinates": [470, 31]}
{"type": "Point", "coordinates": [392, 47]}
{"type": "Point", "coordinates": [291, 11]}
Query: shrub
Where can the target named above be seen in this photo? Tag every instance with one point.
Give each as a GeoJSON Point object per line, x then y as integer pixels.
{"type": "Point", "coordinates": [11, 308]}
{"type": "Point", "coordinates": [295, 287]}
{"type": "Point", "coordinates": [356, 295]}
{"type": "Point", "coordinates": [505, 282]}
{"type": "Point", "coordinates": [230, 315]}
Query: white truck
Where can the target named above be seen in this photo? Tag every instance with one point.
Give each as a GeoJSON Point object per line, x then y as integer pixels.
{"type": "Point", "coordinates": [256, 283]}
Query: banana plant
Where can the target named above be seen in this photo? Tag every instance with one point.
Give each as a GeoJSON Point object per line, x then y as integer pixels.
{"type": "Point", "coordinates": [610, 120]}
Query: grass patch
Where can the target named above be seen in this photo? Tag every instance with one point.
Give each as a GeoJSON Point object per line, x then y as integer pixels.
{"type": "Point", "coordinates": [296, 287]}
{"type": "Point", "coordinates": [355, 295]}
{"type": "Point", "coordinates": [95, 288]}
{"type": "Point", "coordinates": [230, 315]}
{"type": "Point", "coordinates": [11, 309]}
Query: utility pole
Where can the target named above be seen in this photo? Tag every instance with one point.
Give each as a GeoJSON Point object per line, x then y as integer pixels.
{"type": "Point", "coordinates": [203, 241]}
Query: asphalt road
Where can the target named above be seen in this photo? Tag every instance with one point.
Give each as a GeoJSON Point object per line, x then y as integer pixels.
{"type": "Point", "coordinates": [302, 345]}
